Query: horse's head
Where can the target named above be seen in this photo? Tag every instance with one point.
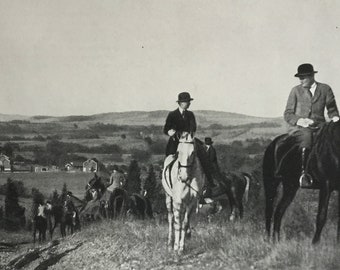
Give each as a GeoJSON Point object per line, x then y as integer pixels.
{"type": "Point", "coordinates": [185, 156]}
{"type": "Point", "coordinates": [94, 193]}
{"type": "Point", "coordinates": [48, 206]}
{"type": "Point", "coordinates": [93, 183]}
{"type": "Point", "coordinates": [118, 179]}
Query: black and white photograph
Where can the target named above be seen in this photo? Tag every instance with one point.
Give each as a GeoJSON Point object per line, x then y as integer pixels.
{"type": "Point", "coordinates": [169, 134]}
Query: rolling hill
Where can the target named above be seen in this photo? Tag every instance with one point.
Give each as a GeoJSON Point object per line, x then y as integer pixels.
{"type": "Point", "coordinates": [204, 118]}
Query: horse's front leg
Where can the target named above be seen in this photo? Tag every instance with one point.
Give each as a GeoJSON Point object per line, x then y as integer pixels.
{"type": "Point", "coordinates": [107, 210]}
{"type": "Point", "coordinates": [62, 229]}
{"type": "Point", "coordinates": [34, 231]}
{"type": "Point", "coordinates": [44, 235]}
{"type": "Point", "coordinates": [177, 210]}
{"type": "Point", "coordinates": [170, 220]}
{"type": "Point", "coordinates": [185, 230]}
{"type": "Point", "coordinates": [338, 234]}
{"type": "Point", "coordinates": [322, 212]}
{"type": "Point", "coordinates": [232, 216]}
{"type": "Point", "coordinates": [50, 227]}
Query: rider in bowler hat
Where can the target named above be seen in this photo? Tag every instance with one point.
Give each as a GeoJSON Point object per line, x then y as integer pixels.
{"type": "Point", "coordinates": [304, 113]}
{"type": "Point", "coordinates": [183, 120]}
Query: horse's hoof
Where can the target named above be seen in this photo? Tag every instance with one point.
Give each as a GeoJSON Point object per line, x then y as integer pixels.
{"type": "Point", "coordinates": [180, 252]}
{"type": "Point", "coordinates": [316, 241]}
{"type": "Point", "coordinates": [177, 258]}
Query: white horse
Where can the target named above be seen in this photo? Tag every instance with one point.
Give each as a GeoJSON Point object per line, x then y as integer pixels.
{"type": "Point", "coordinates": [183, 184]}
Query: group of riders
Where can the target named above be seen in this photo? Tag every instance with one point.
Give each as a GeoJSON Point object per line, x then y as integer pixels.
{"type": "Point", "coordinates": [304, 114]}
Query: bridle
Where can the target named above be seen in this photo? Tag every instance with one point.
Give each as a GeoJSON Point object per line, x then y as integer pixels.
{"type": "Point", "coordinates": [189, 165]}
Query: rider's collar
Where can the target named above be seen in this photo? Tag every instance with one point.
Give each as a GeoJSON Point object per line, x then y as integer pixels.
{"type": "Point", "coordinates": [313, 88]}
{"type": "Point", "coordinates": [181, 110]}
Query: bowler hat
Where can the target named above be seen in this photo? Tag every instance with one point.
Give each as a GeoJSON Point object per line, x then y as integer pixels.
{"type": "Point", "coordinates": [184, 97]}
{"type": "Point", "coordinates": [305, 69]}
{"type": "Point", "coordinates": [208, 141]}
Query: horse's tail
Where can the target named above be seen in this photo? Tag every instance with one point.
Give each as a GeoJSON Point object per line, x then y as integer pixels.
{"type": "Point", "coordinates": [248, 177]}
{"type": "Point", "coordinates": [270, 183]}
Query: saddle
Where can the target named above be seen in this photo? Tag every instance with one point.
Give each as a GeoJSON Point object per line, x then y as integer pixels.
{"type": "Point", "coordinates": [287, 151]}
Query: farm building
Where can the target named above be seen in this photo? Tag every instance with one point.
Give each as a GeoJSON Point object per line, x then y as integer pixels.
{"type": "Point", "coordinates": [90, 165]}
{"type": "Point", "coordinates": [74, 166]}
{"type": "Point", "coordinates": [52, 168]}
{"type": "Point", "coordinates": [20, 166]}
{"type": "Point", "coordinates": [5, 163]}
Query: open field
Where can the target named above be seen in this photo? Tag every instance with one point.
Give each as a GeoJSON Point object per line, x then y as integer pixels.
{"type": "Point", "coordinates": [47, 182]}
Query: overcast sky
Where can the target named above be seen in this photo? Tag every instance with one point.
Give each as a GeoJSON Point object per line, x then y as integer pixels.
{"type": "Point", "coordinates": [67, 57]}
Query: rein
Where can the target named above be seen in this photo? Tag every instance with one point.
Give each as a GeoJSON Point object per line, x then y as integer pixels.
{"type": "Point", "coordinates": [189, 166]}
{"type": "Point", "coordinates": [185, 166]}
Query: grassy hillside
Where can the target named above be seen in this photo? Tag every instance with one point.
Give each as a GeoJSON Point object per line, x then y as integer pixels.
{"type": "Point", "coordinates": [218, 244]}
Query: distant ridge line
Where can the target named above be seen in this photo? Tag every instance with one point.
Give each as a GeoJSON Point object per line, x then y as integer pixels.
{"type": "Point", "coordinates": [40, 116]}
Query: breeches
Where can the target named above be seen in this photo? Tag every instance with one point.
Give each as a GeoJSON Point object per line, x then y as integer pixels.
{"type": "Point", "coordinates": [171, 147]}
{"type": "Point", "coordinates": [304, 136]}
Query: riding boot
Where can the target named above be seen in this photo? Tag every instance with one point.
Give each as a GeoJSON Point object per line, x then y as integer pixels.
{"type": "Point", "coordinates": [305, 178]}
{"type": "Point", "coordinates": [209, 185]}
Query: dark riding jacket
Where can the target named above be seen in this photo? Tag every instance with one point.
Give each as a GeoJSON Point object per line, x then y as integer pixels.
{"type": "Point", "coordinates": [301, 104]}
{"type": "Point", "coordinates": [179, 123]}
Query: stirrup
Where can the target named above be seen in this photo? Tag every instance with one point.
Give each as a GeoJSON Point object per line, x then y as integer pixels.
{"type": "Point", "coordinates": [207, 192]}
{"type": "Point", "coordinates": [305, 180]}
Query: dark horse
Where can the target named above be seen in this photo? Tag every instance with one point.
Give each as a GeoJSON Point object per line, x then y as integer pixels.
{"type": "Point", "coordinates": [139, 206]}
{"type": "Point", "coordinates": [69, 218]}
{"type": "Point", "coordinates": [233, 188]}
{"type": "Point", "coordinates": [67, 215]}
{"type": "Point", "coordinates": [40, 223]}
{"type": "Point", "coordinates": [237, 188]}
{"type": "Point", "coordinates": [118, 203]}
{"type": "Point", "coordinates": [323, 165]}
